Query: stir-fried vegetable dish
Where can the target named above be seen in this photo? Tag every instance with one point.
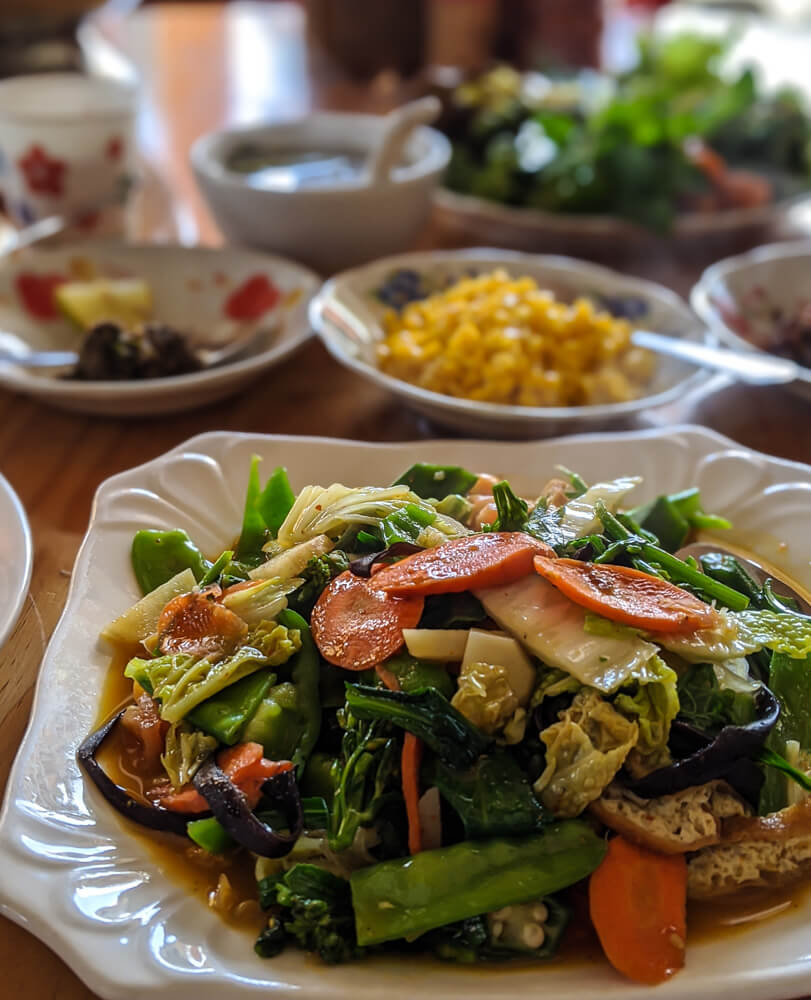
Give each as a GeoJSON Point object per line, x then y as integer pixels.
{"type": "Point", "coordinates": [440, 717]}
{"type": "Point", "coordinates": [677, 134]}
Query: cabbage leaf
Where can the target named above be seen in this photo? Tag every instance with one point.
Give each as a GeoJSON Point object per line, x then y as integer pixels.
{"type": "Point", "coordinates": [551, 626]}
{"type": "Point", "coordinates": [653, 706]}
{"type": "Point", "coordinates": [580, 516]}
{"type": "Point", "coordinates": [741, 633]}
{"type": "Point", "coordinates": [187, 749]}
{"type": "Point", "coordinates": [332, 510]}
{"type": "Point", "coordinates": [584, 752]}
{"type": "Point", "coordinates": [262, 600]}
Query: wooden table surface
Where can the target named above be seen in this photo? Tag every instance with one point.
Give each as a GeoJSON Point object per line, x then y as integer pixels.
{"type": "Point", "coordinates": [202, 66]}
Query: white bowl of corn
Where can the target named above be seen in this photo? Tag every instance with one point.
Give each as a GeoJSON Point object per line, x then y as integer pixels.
{"type": "Point", "coordinates": [500, 343]}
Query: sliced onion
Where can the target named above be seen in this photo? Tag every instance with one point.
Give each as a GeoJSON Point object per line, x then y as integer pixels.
{"type": "Point", "coordinates": [230, 806]}
{"type": "Point", "coordinates": [119, 798]}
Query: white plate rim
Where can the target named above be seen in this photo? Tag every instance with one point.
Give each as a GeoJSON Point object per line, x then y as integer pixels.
{"type": "Point", "coordinates": [785, 982]}
{"type": "Point", "coordinates": [500, 411]}
{"type": "Point", "coordinates": [25, 540]}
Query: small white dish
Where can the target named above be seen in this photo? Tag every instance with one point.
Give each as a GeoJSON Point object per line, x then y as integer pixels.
{"type": "Point", "coordinates": [75, 875]}
{"type": "Point", "coordinates": [329, 227]}
{"type": "Point", "coordinates": [348, 310]}
{"type": "Point", "coordinates": [16, 558]}
{"type": "Point", "coordinates": [194, 290]}
{"type": "Point", "coordinates": [738, 297]}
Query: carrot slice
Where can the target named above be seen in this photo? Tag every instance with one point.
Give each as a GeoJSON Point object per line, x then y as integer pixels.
{"type": "Point", "coordinates": [638, 905]}
{"type": "Point", "coordinates": [356, 625]}
{"type": "Point", "coordinates": [244, 765]}
{"type": "Point", "coordinates": [410, 760]}
{"type": "Point", "coordinates": [472, 562]}
{"type": "Point", "coordinates": [627, 595]}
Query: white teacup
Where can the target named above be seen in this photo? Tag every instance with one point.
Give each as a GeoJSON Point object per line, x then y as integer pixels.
{"type": "Point", "coordinates": [67, 147]}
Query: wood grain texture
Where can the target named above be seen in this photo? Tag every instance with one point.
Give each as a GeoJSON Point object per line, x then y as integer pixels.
{"type": "Point", "coordinates": [56, 461]}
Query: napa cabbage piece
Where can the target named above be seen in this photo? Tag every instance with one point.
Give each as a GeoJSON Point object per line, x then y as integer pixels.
{"type": "Point", "coordinates": [653, 706]}
{"type": "Point", "coordinates": [580, 516]}
{"type": "Point", "coordinates": [486, 698]}
{"type": "Point", "coordinates": [275, 642]}
{"type": "Point", "coordinates": [584, 752]}
{"type": "Point", "coordinates": [551, 626]}
{"type": "Point", "coordinates": [741, 633]}
{"type": "Point", "coordinates": [181, 681]}
{"type": "Point", "coordinates": [187, 749]}
{"type": "Point", "coordinates": [262, 600]}
{"type": "Point", "coordinates": [141, 620]}
{"type": "Point", "coordinates": [332, 510]}
{"type": "Point", "coordinates": [552, 683]}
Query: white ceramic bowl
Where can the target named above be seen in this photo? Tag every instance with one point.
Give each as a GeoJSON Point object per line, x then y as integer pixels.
{"type": "Point", "coordinates": [194, 290]}
{"type": "Point", "coordinates": [737, 297]}
{"type": "Point", "coordinates": [327, 227]}
{"type": "Point", "coordinates": [347, 314]}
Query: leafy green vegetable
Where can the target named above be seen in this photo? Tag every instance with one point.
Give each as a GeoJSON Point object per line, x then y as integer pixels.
{"type": "Point", "coordinates": [316, 911]}
{"type": "Point", "coordinates": [439, 887]}
{"type": "Point", "coordinates": [157, 556]}
{"type": "Point", "coordinates": [662, 563]}
{"type": "Point", "coordinates": [492, 798]}
{"type": "Point", "coordinates": [217, 568]}
{"type": "Point", "coordinates": [512, 510]}
{"type": "Point", "coordinates": [316, 575]}
{"type": "Point", "coordinates": [224, 716]}
{"type": "Point", "coordinates": [361, 778]}
{"type": "Point", "coordinates": [211, 835]}
{"type": "Point", "coordinates": [670, 517]}
{"type": "Point", "coordinates": [709, 708]}
{"type": "Point", "coordinates": [653, 706]}
{"type": "Point", "coordinates": [774, 760]}
{"type": "Point", "coordinates": [435, 482]}
{"type": "Point", "coordinates": [414, 674]}
{"type": "Point", "coordinates": [181, 682]}
{"type": "Point", "coordinates": [790, 683]}
{"type": "Point", "coordinates": [545, 523]}
{"type": "Point", "coordinates": [426, 714]}
{"type": "Point", "coordinates": [742, 633]}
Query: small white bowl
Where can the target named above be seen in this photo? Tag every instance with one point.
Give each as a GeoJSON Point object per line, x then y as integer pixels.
{"type": "Point", "coordinates": [327, 227]}
{"type": "Point", "coordinates": [736, 297]}
{"type": "Point", "coordinates": [195, 290]}
{"type": "Point", "coordinates": [347, 314]}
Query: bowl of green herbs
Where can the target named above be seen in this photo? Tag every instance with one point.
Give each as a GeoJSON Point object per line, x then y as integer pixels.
{"type": "Point", "coordinates": [677, 148]}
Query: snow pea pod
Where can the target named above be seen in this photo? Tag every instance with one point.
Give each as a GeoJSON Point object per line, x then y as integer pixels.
{"type": "Point", "coordinates": [288, 719]}
{"type": "Point", "coordinates": [405, 897]}
{"type": "Point", "coordinates": [157, 556]}
{"type": "Point", "coordinates": [225, 714]}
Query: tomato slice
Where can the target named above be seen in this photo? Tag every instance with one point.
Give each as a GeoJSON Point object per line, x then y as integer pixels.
{"type": "Point", "coordinates": [627, 595]}
{"type": "Point", "coordinates": [356, 625]}
{"type": "Point", "coordinates": [470, 563]}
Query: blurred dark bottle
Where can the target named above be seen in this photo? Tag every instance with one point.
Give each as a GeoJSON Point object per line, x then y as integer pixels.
{"type": "Point", "coordinates": [366, 37]}
{"type": "Point", "coordinates": [549, 33]}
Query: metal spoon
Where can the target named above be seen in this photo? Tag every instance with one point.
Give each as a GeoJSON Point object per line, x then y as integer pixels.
{"type": "Point", "coordinates": [14, 349]}
{"type": "Point", "coordinates": [749, 366]}
{"type": "Point", "coordinates": [755, 570]}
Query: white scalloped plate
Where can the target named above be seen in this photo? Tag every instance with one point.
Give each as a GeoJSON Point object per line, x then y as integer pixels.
{"type": "Point", "coordinates": [16, 558]}
{"type": "Point", "coordinates": [75, 876]}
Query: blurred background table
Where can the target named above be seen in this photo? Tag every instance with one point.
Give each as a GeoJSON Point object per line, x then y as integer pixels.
{"type": "Point", "coordinates": [202, 65]}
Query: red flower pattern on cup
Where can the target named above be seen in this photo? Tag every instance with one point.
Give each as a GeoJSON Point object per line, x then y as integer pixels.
{"type": "Point", "coordinates": [44, 174]}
